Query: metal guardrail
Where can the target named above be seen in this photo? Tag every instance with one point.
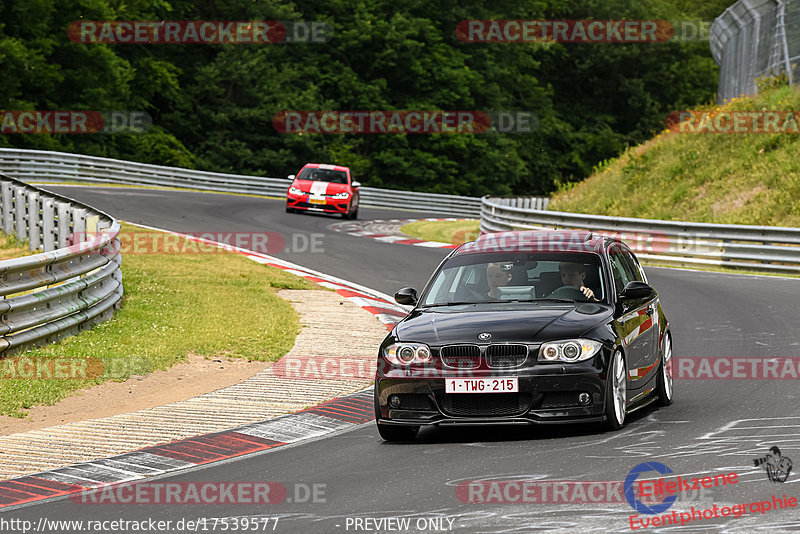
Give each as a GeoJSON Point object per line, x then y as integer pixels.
{"type": "Point", "coordinates": [755, 38]}
{"type": "Point", "coordinates": [39, 165]}
{"type": "Point", "coordinates": [73, 284]}
{"type": "Point", "coordinates": [758, 248]}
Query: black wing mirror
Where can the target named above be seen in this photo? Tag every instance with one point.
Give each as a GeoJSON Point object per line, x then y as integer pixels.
{"type": "Point", "coordinates": [406, 296]}
{"type": "Point", "coordinates": [637, 291]}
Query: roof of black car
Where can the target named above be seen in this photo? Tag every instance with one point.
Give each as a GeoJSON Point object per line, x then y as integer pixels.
{"type": "Point", "coordinates": [534, 241]}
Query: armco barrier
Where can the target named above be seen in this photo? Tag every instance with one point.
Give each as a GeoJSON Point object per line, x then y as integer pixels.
{"type": "Point", "coordinates": [39, 165]}
{"type": "Point", "coordinates": [68, 287]}
{"type": "Point", "coordinates": [757, 248]}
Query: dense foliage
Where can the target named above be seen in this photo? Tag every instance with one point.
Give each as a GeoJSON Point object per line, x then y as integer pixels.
{"type": "Point", "coordinates": [212, 105]}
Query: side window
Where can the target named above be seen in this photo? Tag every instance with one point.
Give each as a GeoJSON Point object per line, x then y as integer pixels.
{"type": "Point", "coordinates": [637, 267]}
{"type": "Point", "coordinates": [621, 278]}
{"type": "Point", "coordinates": [632, 269]}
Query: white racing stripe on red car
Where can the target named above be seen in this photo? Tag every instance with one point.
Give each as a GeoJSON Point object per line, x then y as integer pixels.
{"type": "Point", "coordinates": [319, 188]}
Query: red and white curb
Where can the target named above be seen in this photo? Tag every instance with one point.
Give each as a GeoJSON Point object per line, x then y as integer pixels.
{"type": "Point", "coordinates": [377, 303]}
{"type": "Point", "coordinates": [328, 417]}
{"type": "Point", "coordinates": [388, 231]}
{"type": "Point", "coordinates": [338, 414]}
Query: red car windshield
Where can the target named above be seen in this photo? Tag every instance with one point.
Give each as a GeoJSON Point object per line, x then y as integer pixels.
{"type": "Point", "coordinates": [323, 175]}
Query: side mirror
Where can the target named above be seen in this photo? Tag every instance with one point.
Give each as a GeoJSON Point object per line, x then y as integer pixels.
{"type": "Point", "coordinates": [291, 177]}
{"type": "Point", "coordinates": [355, 184]}
{"type": "Point", "coordinates": [406, 296]}
{"type": "Point", "coordinates": [637, 291]}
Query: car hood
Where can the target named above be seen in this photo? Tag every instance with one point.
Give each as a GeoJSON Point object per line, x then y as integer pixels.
{"type": "Point", "coordinates": [320, 188]}
{"type": "Point", "coordinates": [443, 326]}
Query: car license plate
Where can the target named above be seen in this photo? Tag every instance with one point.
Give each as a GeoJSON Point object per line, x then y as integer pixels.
{"type": "Point", "coordinates": [313, 200]}
{"type": "Point", "coordinates": [481, 385]}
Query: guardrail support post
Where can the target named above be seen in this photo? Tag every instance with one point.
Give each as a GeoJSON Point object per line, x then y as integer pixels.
{"type": "Point", "coordinates": [19, 216]}
{"type": "Point", "coordinates": [79, 222]}
{"type": "Point", "coordinates": [63, 224]}
{"type": "Point", "coordinates": [8, 215]}
{"type": "Point", "coordinates": [34, 239]}
{"type": "Point", "coordinates": [48, 224]}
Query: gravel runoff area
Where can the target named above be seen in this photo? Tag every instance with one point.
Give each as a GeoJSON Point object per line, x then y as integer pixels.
{"type": "Point", "coordinates": [332, 328]}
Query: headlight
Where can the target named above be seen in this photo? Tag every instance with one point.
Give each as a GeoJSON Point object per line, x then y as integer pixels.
{"type": "Point", "coordinates": [293, 190]}
{"type": "Point", "coordinates": [404, 354]}
{"type": "Point", "coordinates": [342, 195]}
{"type": "Point", "coordinates": [570, 351]}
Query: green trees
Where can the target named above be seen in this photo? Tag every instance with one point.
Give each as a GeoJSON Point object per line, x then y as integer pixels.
{"type": "Point", "coordinates": [212, 105]}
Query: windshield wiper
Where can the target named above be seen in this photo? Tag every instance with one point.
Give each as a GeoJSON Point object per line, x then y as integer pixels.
{"type": "Point", "coordinates": [453, 304]}
{"type": "Point", "coordinates": [569, 301]}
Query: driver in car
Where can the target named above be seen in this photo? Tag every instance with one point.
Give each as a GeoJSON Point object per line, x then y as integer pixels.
{"type": "Point", "coordinates": [496, 277]}
{"type": "Point", "coordinates": [573, 274]}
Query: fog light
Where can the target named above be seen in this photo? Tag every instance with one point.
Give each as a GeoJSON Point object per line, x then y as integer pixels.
{"type": "Point", "coordinates": [394, 401]}
{"type": "Point", "coordinates": [584, 398]}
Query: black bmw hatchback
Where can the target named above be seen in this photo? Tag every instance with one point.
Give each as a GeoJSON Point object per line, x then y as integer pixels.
{"type": "Point", "coordinates": [526, 327]}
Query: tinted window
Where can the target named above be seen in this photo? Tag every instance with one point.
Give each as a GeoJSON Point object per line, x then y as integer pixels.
{"type": "Point", "coordinates": [514, 277]}
{"type": "Point", "coordinates": [628, 263]}
{"type": "Point", "coordinates": [323, 175]}
{"type": "Point", "coordinates": [618, 269]}
{"type": "Point", "coordinates": [633, 269]}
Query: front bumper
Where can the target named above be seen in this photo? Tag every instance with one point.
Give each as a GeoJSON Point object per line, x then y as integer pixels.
{"type": "Point", "coordinates": [547, 394]}
{"type": "Point", "coordinates": [330, 206]}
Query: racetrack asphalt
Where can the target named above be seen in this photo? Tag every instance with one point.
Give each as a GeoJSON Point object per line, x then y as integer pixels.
{"type": "Point", "coordinates": [714, 426]}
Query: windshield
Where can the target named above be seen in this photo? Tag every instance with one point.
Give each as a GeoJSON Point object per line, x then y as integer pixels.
{"type": "Point", "coordinates": [323, 175]}
{"type": "Point", "coordinates": [503, 277]}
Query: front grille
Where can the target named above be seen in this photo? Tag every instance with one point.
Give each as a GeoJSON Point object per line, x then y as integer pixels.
{"type": "Point", "coordinates": [485, 404]}
{"type": "Point", "coordinates": [506, 355]}
{"type": "Point", "coordinates": [461, 356]}
{"type": "Point", "coordinates": [321, 206]}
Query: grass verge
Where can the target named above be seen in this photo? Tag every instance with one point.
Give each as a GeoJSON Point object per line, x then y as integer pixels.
{"type": "Point", "coordinates": [211, 304]}
{"type": "Point", "coordinates": [455, 232]}
{"type": "Point", "coordinates": [736, 178]}
{"type": "Point", "coordinates": [11, 247]}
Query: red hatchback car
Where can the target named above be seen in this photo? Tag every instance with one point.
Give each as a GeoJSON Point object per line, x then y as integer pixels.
{"type": "Point", "coordinates": [323, 188]}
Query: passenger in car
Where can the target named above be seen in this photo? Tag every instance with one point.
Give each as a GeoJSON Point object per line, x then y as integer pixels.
{"type": "Point", "coordinates": [573, 274]}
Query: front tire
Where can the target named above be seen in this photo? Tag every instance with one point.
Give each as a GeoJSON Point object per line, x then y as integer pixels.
{"type": "Point", "coordinates": [664, 384]}
{"type": "Point", "coordinates": [616, 392]}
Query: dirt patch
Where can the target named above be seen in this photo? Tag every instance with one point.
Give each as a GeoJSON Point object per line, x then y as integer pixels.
{"type": "Point", "coordinates": [182, 381]}
{"type": "Point", "coordinates": [736, 200]}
